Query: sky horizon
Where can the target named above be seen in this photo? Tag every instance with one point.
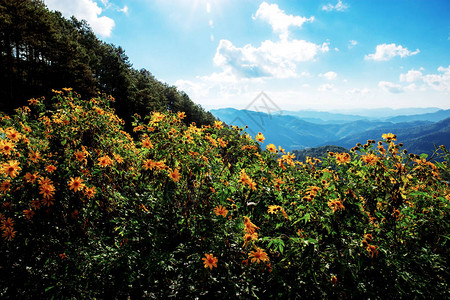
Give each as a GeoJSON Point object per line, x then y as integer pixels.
{"type": "Point", "coordinates": [310, 54]}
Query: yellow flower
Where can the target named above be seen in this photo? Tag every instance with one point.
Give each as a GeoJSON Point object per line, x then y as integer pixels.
{"type": "Point", "coordinates": [221, 211]}
{"type": "Point", "coordinates": [260, 137]}
{"type": "Point", "coordinates": [210, 261]}
{"type": "Point", "coordinates": [272, 148]}
{"type": "Point", "coordinates": [11, 168]}
{"type": "Point", "coordinates": [6, 147]}
{"type": "Point", "coordinates": [389, 137]}
{"type": "Point", "coordinates": [76, 183]}
{"type": "Point", "coordinates": [13, 134]}
{"type": "Point", "coordinates": [273, 209]}
{"type": "Point", "coordinates": [258, 256]}
{"type": "Point", "coordinates": [218, 124]}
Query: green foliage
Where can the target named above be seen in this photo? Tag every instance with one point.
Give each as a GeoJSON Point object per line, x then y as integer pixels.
{"type": "Point", "coordinates": [89, 211]}
{"type": "Point", "coordinates": [317, 152]}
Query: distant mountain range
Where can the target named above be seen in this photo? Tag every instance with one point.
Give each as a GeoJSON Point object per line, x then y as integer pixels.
{"type": "Point", "coordinates": [296, 130]}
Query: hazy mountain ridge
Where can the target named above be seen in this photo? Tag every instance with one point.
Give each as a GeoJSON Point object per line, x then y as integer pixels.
{"type": "Point", "coordinates": [418, 131]}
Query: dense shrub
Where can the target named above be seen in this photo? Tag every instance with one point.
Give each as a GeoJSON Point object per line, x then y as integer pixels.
{"type": "Point", "coordinates": [89, 210]}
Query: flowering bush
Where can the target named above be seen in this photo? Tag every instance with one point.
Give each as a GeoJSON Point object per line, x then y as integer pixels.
{"type": "Point", "coordinates": [89, 210]}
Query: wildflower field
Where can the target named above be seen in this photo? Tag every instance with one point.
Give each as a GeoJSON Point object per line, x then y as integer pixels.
{"type": "Point", "coordinates": [170, 209]}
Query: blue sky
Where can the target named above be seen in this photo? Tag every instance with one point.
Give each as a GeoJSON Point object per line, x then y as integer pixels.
{"type": "Point", "coordinates": [304, 54]}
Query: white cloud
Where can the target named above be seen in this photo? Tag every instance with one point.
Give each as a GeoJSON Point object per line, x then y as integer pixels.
{"type": "Point", "coordinates": [329, 75]}
{"type": "Point", "coordinates": [352, 43]}
{"type": "Point", "coordinates": [327, 87]}
{"type": "Point", "coordinates": [411, 76]}
{"type": "Point", "coordinates": [385, 52]}
{"type": "Point", "coordinates": [440, 82]}
{"type": "Point", "coordinates": [339, 6]}
{"type": "Point", "coordinates": [124, 10]}
{"type": "Point", "coordinates": [271, 59]}
{"type": "Point", "coordinates": [87, 10]}
{"type": "Point", "coordinates": [391, 87]}
{"type": "Point", "coordinates": [356, 91]}
{"type": "Point", "coordinates": [278, 19]}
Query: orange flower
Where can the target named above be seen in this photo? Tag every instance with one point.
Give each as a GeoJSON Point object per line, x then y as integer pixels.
{"type": "Point", "coordinates": [210, 261]}
{"type": "Point", "coordinates": [90, 192]}
{"type": "Point", "coordinates": [250, 237]}
{"type": "Point", "coordinates": [260, 137]}
{"type": "Point", "coordinates": [258, 256]}
{"type": "Point", "coordinates": [373, 250]}
{"type": "Point", "coordinates": [181, 115]}
{"type": "Point", "coordinates": [47, 201]}
{"type": "Point", "coordinates": [118, 158]}
{"type": "Point", "coordinates": [79, 155]}
{"type": "Point", "coordinates": [336, 205]}
{"type": "Point", "coordinates": [34, 156]}
{"type": "Point", "coordinates": [76, 183]}
{"type": "Point", "coordinates": [47, 190]}
{"type": "Point", "coordinates": [62, 255]}
{"type": "Point", "coordinates": [147, 143]}
{"type": "Point", "coordinates": [149, 164]}
{"type": "Point", "coordinates": [50, 168]}
{"type": "Point", "coordinates": [5, 186]}
{"type": "Point", "coordinates": [175, 175]}
{"type": "Point", "coordinates": [221, 211]}
{"type": "Point", "coordinates": [7, 223]}
{"type": "Point", "coordinates": [222, 143]}
{"type": "Point", "coordinates": [343, 158]}
{"type": "Point", "coordinates": [11, 168]}
{"type": "Point", "coordinates": [105, 161]}
{"type": "Point", "coordinates": [28, 213]}
{"type": "Point", "coordinates": [249, 227]}
{"type": "Point", "coordinates": [9, 233]}
{"type": "Point", "coordinates": [370, 159]}
{"type": "Point", "coordinates": [33, 101]}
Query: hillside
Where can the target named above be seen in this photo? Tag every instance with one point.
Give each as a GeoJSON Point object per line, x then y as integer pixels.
{"type": "Point", "coordinates": [41, 50]}
{"type": "Point", "coordinates": [317, 152]}
{"type": "Point", "coordinates": [293, 133]}
{"type": "Point", "coordinates": [417, 139]}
